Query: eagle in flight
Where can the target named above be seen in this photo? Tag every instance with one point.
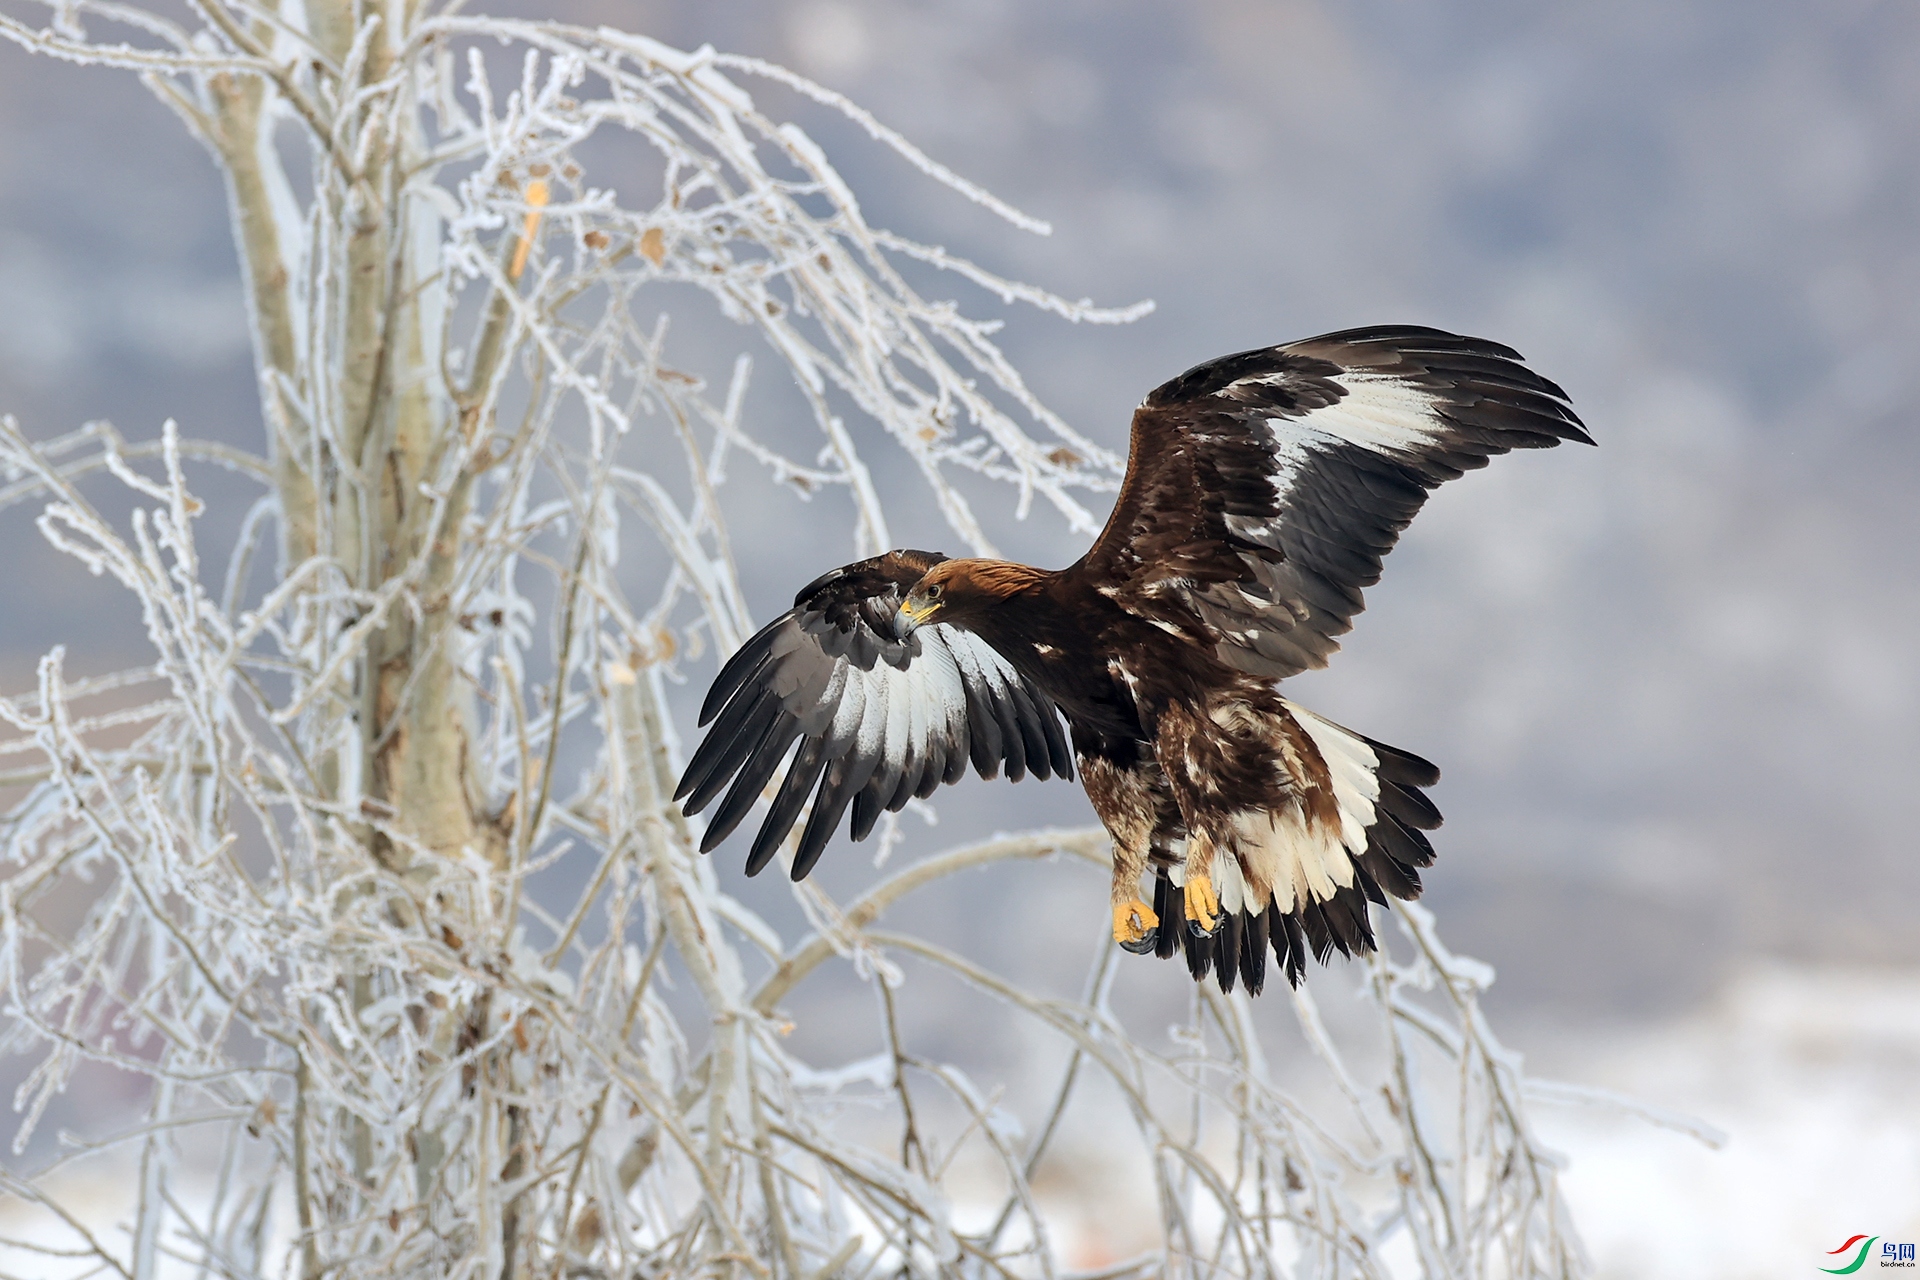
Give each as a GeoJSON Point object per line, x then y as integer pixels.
{"type": "Point", "coordinates": [1262, 491]}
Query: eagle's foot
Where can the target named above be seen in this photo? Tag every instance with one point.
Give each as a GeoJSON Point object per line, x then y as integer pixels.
{"type": "Point", "coordinates": [1133, 925]}
{"type": "Point", "coordinates": [1203, 906]}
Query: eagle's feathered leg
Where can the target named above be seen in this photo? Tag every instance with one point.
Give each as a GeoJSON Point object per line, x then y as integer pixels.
{"type": "Point", "coordinates": [1123, 800]}
{"type": "Point", "coordinates": [1217, 766]}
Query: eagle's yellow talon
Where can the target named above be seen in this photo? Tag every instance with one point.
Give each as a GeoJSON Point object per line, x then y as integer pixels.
{"type": "Point", "coordinates": [1203, 906]}
{"type": "Point", "coordinates": [1132, 921]}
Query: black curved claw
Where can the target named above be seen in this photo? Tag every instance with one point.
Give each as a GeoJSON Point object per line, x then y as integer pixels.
{"type": "Point", "coordinates": [1194, 929]}
{"type": "Point", "coordinates": [1145, 945]}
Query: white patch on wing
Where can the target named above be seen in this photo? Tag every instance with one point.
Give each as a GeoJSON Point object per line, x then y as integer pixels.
{"type": "Point", "coordinates": [901, 695]}
{"type": "Point", "coordinates": [982, 666]}
{"type": "Point", "coordinates": [894, 713]}
{"type": "Point", "coordinates": [978, 663]}
{"type": "Point", "coordinates": [994, 669]}
{"type": "Point", "coordinates": [852, 704]}
{"type": "Point", "coordinates": [946, 701]}
{"type": "Point", "coordinates": [964, 658]}
{"type": "Point", "coordinates": [1379, 412]}
{"type": "Point", "coordinates": [867, 690]}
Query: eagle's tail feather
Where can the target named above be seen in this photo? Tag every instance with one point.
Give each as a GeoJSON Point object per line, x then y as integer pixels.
{"type": "Point", "coordinates": [1378, 791]}
{"type": "Point", "coordinates": [1199, 949]}
{"type": "Point", "coordinates": [1319, 935]}
{"type": "Point", "coordinates": [1289, 942]}
{"type": "Point", "coordinates": [1253, 953]}
{"type": "Point", "coordinates": [1171, 928]}
{"type": "Point", "coordinates": [1235, 952]}
{"type": "Point", "coordinates": [1226, 950]}
{"type": "Point", "coordinates": [1368, 885]}
{"type": "Point", "coordinates": [1399, 766]}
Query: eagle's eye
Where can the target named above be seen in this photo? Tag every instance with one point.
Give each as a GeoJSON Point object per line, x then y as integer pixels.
{"type": "Point", "coordinates": [933, 591]}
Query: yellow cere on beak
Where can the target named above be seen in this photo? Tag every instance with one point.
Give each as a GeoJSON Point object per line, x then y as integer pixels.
{"type": "Point", "coordinates": [912, 614]}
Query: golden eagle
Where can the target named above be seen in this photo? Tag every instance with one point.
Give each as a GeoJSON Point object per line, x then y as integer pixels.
{"type": "Point", "coordinates": [1262, 491]}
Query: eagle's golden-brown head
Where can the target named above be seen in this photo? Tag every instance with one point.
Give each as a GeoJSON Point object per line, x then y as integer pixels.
{"type": "Point", "coordinates": [957, 590]}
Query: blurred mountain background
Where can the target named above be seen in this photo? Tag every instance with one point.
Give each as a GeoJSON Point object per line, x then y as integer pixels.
{"type": "Point", "coordinates": [1672, 682]}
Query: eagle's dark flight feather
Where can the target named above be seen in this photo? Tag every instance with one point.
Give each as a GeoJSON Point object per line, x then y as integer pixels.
{"type": "Point", "coordinates": [879, 720]}
{"type": "Point", "coordinates": [1263, 489]}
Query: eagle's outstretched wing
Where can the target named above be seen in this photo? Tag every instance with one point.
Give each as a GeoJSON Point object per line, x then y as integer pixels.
{"type": "Point", "coordinates": [1264, 488]}
{"type": "Point", "coordinates": [878, 720]}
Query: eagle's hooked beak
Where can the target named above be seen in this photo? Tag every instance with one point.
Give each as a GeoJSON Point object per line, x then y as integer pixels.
{"type": "Point", "coordinates": [914, 610]}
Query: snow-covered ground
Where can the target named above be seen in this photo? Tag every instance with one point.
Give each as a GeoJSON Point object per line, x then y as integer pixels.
{"type": "Point", "coordinates": [1814, 1075]}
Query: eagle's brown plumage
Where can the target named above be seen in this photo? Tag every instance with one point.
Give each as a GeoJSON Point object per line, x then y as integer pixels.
{"type": "Point", "coordinates": [1262, 491]}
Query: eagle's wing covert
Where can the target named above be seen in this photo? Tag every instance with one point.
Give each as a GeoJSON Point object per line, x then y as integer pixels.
{"type": "Point", "coordinates": [1264, 488]}
{"type": "Point", "coordinates": [878, 720]}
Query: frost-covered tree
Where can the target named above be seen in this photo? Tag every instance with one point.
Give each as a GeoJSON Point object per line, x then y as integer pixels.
{"type": "Point", "coordinates": [301, 838]}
